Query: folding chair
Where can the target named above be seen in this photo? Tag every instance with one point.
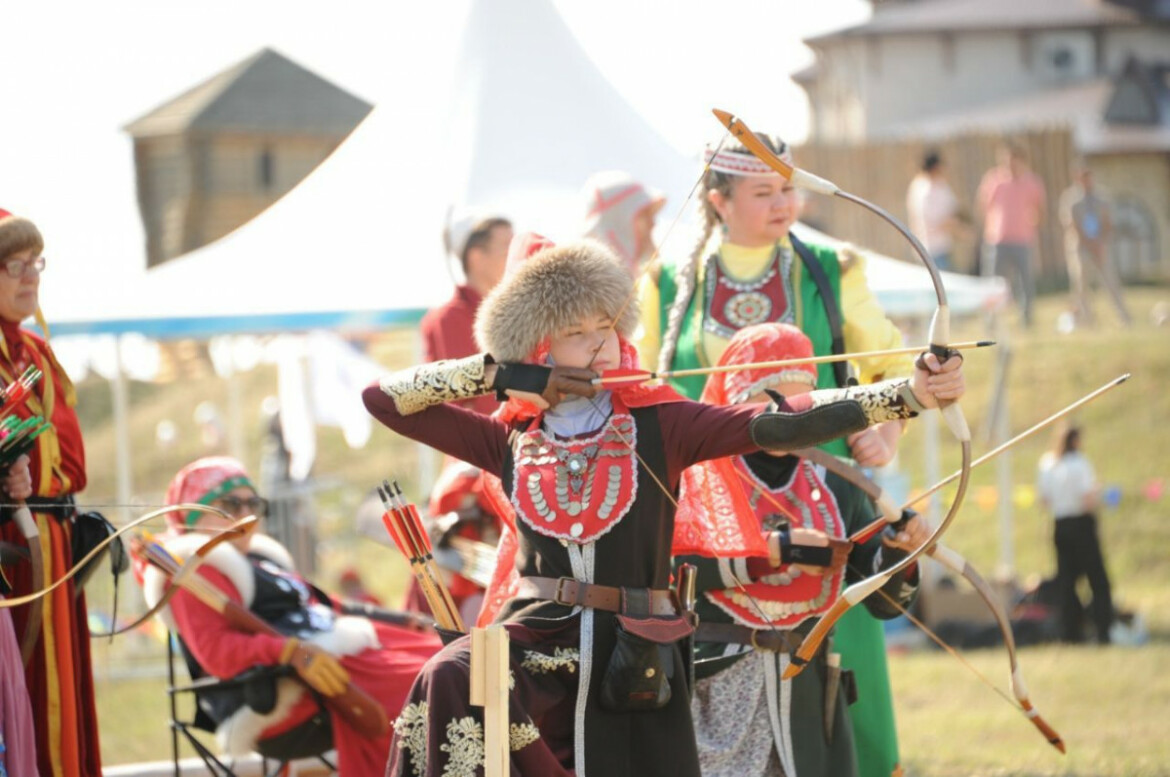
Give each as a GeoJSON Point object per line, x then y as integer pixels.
{"type": "Point", "coordinates": [216, 698]}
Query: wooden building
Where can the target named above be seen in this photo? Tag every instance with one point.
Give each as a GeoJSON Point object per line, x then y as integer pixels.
{"type": "Point", "coordinates": [1067, 79]}
{"type": "Point", "coordinates": [212, 158]}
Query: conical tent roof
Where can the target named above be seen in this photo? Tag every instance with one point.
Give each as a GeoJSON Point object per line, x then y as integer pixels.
{"type": "Point", "coordinates": [534, 118]}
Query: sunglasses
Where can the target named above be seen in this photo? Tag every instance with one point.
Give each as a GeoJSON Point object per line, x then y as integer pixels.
{"type": "Point", "coordinates": [234, 505]}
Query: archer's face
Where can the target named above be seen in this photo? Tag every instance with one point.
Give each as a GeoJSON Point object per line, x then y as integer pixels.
{"type": "Point", "coordinates": [576, 345]}
{"type": "Point", "coordinates": [759, 210]}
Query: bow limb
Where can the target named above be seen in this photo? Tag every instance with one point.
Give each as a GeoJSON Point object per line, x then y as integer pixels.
{"type": "Point", "coordinates": [957, 564]}
{"type": "Point", "coordinates": [237, 530]}
{"type": "Point", "coordinates": [77, 566]}
{"type": "Point", "coordinates": [32, 535]}
{"type": "Point", "coordinates": [940, 332]}
{"type": "Point", "coordinates": [961, 566]}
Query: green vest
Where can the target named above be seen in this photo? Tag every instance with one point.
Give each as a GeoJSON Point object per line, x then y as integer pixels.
{"type": "Point", "coordinates": [810, 317]}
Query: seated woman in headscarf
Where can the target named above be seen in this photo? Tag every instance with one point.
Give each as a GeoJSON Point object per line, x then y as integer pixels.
{"type": "Point", "coordinates": [379, 658]}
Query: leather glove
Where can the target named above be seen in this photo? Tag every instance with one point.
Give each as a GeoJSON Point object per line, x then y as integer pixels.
{"type": "Point", "coordinates": [320, 670]}
{"type": "Point", "coordinates": [547, 383]}
{"type": "Point", "coordinates": [780, 429]}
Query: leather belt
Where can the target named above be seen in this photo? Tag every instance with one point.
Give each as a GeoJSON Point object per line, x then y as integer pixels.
{"type": "Point", "coordinates": [574, 593]}
{"type": "Point", "coordinates": [774, 640]}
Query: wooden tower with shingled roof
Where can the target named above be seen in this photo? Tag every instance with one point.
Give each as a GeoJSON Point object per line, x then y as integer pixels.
{"type": "Point", "coordinates": [214, 157]}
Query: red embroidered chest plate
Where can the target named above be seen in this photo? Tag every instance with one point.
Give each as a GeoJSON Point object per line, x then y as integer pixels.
{"type": "Point", "coordinates": [576, 490]}
{"type": "Point", "coordinates": [788, 596]}
{"type": "Point", "coordinates": [734, 304]}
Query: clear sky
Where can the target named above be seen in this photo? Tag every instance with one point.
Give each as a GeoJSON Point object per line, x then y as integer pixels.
{"type": "Point", "coordinates": [75, 73]}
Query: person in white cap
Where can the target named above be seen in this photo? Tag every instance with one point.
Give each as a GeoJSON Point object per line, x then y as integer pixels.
{"type": "Point", "coordinates": [620, 212]}
{"type": "Point", "coordinates": [480, 242]}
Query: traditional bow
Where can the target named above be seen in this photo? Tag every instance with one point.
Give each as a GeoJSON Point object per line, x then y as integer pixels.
{"type": "Point", "coordinates": [957, 564]}
{"type": "Point", "coordinates": [78, 565]}
{"type": "Point", "coordinates": [940, 331]}
{"type": "Point", "coordinates": [237, 530]}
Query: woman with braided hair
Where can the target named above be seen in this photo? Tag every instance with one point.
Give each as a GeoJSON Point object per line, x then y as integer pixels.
{"type": "Point", "coordinates": [585, 478]}
{"type": "Point", "coordinates": [758, 272]}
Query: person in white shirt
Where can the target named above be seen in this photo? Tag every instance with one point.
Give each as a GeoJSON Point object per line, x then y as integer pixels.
{"type": "Point", "coordinates": [934, 211]}
{"type": "Point", "coordinates": [1068, 488]}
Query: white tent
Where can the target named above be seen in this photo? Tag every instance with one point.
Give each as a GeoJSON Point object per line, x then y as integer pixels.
{"type": "Point", "coordinates": [357, 246]}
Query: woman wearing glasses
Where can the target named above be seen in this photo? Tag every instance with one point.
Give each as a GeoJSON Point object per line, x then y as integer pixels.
{"type": "Point", "coordinates": [318, 639]}
{"type": "Point", "coordinates": [57, 670]}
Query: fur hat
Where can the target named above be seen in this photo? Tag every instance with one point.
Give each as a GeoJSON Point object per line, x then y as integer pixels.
{"type": "Point", "coordinates": [559, 286]}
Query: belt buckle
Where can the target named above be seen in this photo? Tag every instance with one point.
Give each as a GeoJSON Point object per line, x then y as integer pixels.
{"type": "Point", "coordinates": [558, 593]}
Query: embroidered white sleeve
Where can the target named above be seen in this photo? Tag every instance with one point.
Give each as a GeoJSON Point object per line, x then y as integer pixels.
{"type": "Point", "coordinates": [880, 402]}
{"type": "Point", "coordinates": [417, 388]}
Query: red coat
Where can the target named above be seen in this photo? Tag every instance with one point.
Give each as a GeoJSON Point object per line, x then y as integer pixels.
{"type": "Point", "coordinates": [60, 680]}
{"type": "Point", "coordinates": [448, 332]}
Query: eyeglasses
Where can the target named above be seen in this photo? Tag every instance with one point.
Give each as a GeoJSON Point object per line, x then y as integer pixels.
{"type": "Point", "coordinates": [17, 268]}
{"type": "Point", "coordinates": [234, 505]}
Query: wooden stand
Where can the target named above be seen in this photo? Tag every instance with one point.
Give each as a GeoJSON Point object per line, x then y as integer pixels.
{"type": "Point", "coordinates": [490, 686]}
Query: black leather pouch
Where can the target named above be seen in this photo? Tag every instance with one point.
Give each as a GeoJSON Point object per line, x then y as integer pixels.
{"type": "Point", "coordinates": [638, 675]}
{"type": "Point", "coordinates": [89, 530]}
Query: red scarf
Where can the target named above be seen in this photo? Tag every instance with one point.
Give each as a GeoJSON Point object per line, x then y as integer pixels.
{"type": "Point", "coordinates": [714, 517]}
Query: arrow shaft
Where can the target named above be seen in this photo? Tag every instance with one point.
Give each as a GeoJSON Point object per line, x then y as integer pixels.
{"type": "Point", "coordinates": [780, 363]}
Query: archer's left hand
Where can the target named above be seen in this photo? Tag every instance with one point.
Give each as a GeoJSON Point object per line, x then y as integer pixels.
{"type": "Point", "coordinates": [911, 536]}
{"type": "Point", "coordinates": [933, 381]}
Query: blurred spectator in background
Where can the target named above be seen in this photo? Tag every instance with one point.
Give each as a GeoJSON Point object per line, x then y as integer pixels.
{"type": "Point", "coordinates": [480, 243]}
{"type": "Point", "coordinates": [620, 212]}
{"type": "Point", "coordinates": [1068, 488]}
{"type": "Point", "coordinates": [1011, 202]}
{"type": "Point", "coordinates": [352, 589]}
{"type": "Point", "coordinates": [934, 210]}
{"type": "Point", "coordinates": [1088, 225]}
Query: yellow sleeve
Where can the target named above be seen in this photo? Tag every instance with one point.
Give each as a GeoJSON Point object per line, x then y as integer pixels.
{"type": "Point", "coordinates": [648, 337]}
{"type": "Point", "coordinates": [867, 328]}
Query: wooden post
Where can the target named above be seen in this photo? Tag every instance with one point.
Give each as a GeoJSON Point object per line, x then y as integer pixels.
{"type": "Point", "coordinates": [490, 687]}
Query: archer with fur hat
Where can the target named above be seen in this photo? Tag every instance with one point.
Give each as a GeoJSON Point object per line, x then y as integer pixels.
{"type": "Point", "coordinates": [620, 212]}
{"type": "Point", "coordinates": [319, 640]}
{"type": "Point", "coordinates": [585, 483]}
{"type": "Point", "coordinates": [58, 673]}
{"type": "Point", "coordinates": [769, 536]}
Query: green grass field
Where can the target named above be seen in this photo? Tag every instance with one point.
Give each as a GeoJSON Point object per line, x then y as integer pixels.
{"type": "Point", "coordinates": [1111, 705]}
